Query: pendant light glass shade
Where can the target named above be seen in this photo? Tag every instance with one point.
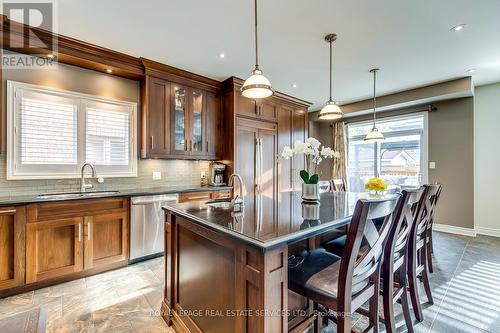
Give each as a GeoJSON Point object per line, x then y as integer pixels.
{"type": "Point", "coordinates": [374, 134]}
{"type": "Point", "coordinates": [257, 86]}
{"type": "Point", "coordinates": [331, 111]}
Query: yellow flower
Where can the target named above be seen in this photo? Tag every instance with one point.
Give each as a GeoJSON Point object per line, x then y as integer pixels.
{"type": "Point", "coordinates": [376, 184]}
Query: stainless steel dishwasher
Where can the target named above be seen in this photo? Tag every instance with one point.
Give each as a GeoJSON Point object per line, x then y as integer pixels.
{"type": "Point", "coordinates": [146, 225]}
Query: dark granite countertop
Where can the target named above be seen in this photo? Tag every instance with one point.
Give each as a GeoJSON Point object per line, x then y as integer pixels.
{"type": "Point", "coordinates": [335, 210]}
{"type": "Point", "coordinates": [33, 198]}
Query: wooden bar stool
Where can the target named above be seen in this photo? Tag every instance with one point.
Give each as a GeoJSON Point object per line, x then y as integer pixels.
{"type": "Point", "coordinates": [343, 284]}
{"type": "Point", "coordinates": [430, 244]}
{"type": "Point", "coordinates": [395, 259]}
{"type": "Point", "coordinates": [417, 251]}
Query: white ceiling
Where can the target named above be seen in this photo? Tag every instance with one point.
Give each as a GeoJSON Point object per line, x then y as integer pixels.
{"type": "Point", "coordinates": [410, 41]}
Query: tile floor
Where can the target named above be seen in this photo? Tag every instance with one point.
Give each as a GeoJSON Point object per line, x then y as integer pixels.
{"type": "Point", "coordinates": [466, 290]}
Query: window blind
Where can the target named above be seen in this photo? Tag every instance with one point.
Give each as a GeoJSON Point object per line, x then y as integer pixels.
{"type": "Point", "coordinates": [107, 137]}
{"type": "Point", "coordinates": [48, 132]}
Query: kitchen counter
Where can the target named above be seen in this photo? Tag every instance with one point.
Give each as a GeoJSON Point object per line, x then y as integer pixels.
{"type": "Point", "coordinates": [335, 210]}
{"type": "Point", "coordinates": [33, 198]}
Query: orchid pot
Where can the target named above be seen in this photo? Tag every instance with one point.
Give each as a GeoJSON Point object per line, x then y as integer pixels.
{"type": "Point", "coordinates": [314, 154]}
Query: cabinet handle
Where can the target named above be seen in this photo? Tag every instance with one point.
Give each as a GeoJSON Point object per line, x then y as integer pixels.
{"type": "Point", "coordinates": [8, 211]}
{"type": "Point", "coordinates": [79, 232]}
{"type": "Point", "coordinates": [152, 142]}
{"type": "Point", "coordinates": [88, 230]}
{"type": "Point", "coordinates": [192, 144]}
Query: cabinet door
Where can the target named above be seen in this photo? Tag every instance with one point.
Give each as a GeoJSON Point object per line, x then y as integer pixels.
{"type": "Point", "coordinates": [158, 117]}
{"type": "Point", "coordinates": [12, 256]}
{"type": "Point", "coordinates": [179, 120]}
{"type": "Point", "coordinates": [269, 181]}
{"type": "Point", "coordinates": [53, 248]}
{"type": "Point", "coordinates": [106, 239]}
{"type": "Point", "coordinates": [197, 122]}
{"type": "Point", "coordinates": [284, 167]}
{"type": "Point", "coordinates": [267, 110]}
{"type": "Point", "coordinates": [245, 106]}
{"type": "Point", "coordinates": [213, 120]}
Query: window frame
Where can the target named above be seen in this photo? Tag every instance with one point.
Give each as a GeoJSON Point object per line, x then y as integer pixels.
{"type": "Point", "coordinates": [424, 133]}
{"type": "Point", "coordinates": [82, 100]}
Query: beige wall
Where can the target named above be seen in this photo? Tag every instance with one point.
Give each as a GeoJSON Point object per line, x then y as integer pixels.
{"type": "Point", "coordinates": [174, 172]}
{"type": "Point", "coordinates": [487, 160]}
{"type": "Point", "coordinates": [451, 147]}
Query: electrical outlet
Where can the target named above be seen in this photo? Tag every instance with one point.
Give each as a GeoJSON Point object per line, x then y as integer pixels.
{"type": "Point", "coordinates": [432, 165]}
{"type": "Point", "coordinates": [156, 175]}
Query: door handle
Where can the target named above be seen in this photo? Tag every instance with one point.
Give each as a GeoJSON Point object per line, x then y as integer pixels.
{"type": "Point", "coordinates": [8, 211]}
{"type": "Point", "coordinates": [79, 232]}
{"type": "Point", "coordinates": [152, 142]}
{"type": "Point", "coordinates": [89, 232]}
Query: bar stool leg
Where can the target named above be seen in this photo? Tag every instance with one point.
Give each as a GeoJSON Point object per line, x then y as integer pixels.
{"type": "Point", "coordinates": [387, 297]}
{"type": "Point", "coordinates": [425, 275]}
{"type": "Point", "coordinates": [373, 304]}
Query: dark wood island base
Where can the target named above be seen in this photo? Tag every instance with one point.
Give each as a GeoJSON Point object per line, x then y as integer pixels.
{"type": "Point", "coordinates": [216, 284]}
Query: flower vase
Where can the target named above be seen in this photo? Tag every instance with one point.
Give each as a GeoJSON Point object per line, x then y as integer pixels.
{"type": "Point", "coordinates": [310, 192]}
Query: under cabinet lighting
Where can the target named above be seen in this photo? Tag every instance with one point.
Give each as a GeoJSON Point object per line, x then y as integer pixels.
{"type": "Point", "coordinates": [50, 56]}
{"type": "Point", "coordinates": [470, 71]}
{"type": "Point", "coordinates": [109, 70]}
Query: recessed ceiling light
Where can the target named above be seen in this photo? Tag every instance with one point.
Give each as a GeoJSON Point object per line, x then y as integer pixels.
{"type": "Point", "coordinates": [109, 70]}
{"type": "Point", "coordinates": [470, 71]}
{"type": "Point", "coordinates": [294, 85]}
{"type": "Point", "coordinates": [459, 27]}
{"type": "Point", "coordinates": [221, 55]}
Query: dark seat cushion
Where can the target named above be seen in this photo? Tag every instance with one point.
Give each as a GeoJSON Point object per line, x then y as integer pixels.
{"type": "Point", "coordinates": [318, 273]}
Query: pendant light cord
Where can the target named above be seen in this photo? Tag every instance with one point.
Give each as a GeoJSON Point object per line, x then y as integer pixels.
{"type": "Point", "coordinates": [331, 70]}
{"type": "Point", "coordinates": [374, 97]}
{"type": "Point", "coordinates": [256, 38]}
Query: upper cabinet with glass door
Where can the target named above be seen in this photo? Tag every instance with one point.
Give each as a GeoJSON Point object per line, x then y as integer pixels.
{"type": "Point", "coordinates": [179, 115]}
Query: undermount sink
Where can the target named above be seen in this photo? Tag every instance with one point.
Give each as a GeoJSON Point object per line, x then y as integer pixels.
{"type": "Point", "coordinates": [75, 195]}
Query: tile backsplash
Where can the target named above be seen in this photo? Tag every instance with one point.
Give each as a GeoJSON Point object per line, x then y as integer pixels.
{"type": "Point", "coordinates": [173, 173]}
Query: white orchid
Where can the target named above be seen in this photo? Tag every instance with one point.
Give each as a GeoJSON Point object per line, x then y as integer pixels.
{"type": "Point", "coordinates": [286, 153]}
{"type": "Point", "coordinates": [314, 156]}
{"type": "Point", "coordinates": [313, 142]}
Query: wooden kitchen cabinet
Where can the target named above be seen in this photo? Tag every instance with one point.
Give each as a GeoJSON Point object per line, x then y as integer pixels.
{"type": "Point", "coordinates": [180, 114]}
{"type": "Point", "coordinates": [156, 118]}
{"type": "Point", "coordinates": [256, 162]}
{"type": "Point", "coordinates": [54, 248]}
{"type": "Point", "coordinates": [265, 109]}
{"type": "Point", "coordinates": [64, 238]}
{"type": "Point", "coordinates": [12, 250]}
{"type": "Point", "coordinates": [106, 239]}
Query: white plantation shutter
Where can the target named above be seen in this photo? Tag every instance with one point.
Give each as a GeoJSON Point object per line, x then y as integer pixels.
{"type": "Point", "coordinates": [48, 132]}
{"type": "Point", "coordinates": [107, 137]}
{"type": "Point", "coordinates": [52, 133]}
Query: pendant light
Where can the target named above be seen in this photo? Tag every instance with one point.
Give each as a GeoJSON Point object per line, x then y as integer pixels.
{"type": "Point", "coordinates": [331, 110]}
{"type": "Point", "coordinates": [374, 134]}
{"type": "Point", "coordinates": [257, 85]}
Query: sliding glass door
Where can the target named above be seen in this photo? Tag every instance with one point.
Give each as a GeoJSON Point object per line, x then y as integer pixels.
{"type": "Point", "coordinates": [401, 159]}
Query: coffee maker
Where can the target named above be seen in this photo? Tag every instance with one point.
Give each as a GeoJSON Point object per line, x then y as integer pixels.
{"type": "Point", "coordinates": [217, 171]}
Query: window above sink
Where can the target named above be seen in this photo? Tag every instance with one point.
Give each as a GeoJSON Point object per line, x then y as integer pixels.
{"type": "Point", "coordinates": [52, 133]}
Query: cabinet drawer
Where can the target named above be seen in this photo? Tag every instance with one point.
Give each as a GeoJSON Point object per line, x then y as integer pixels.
{"type": "Point", "coordinates": [71, 209]}
{"type": "Point", "coordinates": [195, 196]}
{"type": "Point", "coordinates": [223, 194]}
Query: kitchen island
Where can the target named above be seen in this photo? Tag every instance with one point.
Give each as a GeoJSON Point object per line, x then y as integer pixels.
{"type": "Point", "coordinates": [226, 268]}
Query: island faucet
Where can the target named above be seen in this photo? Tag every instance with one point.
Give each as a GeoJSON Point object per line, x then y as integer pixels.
{"type": "Point", "coordinates": [238, 199]}
{"type": "Point", "coordinates": [84, 186]}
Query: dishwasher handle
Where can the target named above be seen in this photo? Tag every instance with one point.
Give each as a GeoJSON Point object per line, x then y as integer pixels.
{"type": "Point", "coordinates": [146, 200]}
